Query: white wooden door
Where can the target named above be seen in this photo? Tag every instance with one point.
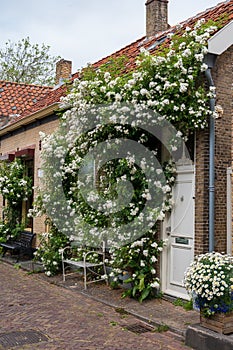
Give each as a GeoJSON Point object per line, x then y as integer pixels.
{"type": "Point", "coordinates": [179, 230]}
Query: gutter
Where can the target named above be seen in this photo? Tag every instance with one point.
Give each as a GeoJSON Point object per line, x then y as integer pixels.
{"type": "Point", "coordinates": [210, 61]}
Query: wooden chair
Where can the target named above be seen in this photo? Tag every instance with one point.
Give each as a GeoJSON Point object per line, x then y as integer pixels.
{"type": "Point", "coordinates": [84, 264]}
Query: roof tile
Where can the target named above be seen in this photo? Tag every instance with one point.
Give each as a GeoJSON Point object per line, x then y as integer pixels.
{"type": "Point", "coordinates": [17, 96]}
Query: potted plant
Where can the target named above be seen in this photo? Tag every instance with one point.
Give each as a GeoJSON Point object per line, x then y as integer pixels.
{"type": "Point", "coordinates": [209, 281]}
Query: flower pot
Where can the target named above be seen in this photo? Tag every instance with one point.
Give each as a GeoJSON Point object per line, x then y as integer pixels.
{"type": "Point", "coordinates": [124, 277]}
{"type": "Point", "coordinates": [219, 322]}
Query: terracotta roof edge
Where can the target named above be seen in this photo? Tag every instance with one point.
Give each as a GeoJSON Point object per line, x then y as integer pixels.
{"type": "Point", "coordinates": [29, 118]}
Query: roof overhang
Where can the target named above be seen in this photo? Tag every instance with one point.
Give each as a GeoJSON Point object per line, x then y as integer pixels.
{"type": "Point", "coordinates": [40, 114]}
{"type": "Point", "coordinates": [222, 40]}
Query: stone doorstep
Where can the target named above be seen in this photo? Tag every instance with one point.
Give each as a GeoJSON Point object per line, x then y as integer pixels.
{"type": "Point", "coordinates": [200, 338]}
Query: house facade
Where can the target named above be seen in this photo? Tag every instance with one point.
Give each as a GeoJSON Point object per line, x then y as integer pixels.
{"type": "Point", "coordinates": [201, 219]}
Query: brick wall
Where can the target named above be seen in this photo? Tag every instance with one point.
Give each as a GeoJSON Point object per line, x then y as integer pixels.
{"type": "Point", "coordinates": [201, 192]}
{"type": "Point", "coordinates": [156, 16]}
{"type": "Point", "coordinates": [63, 70]}
{"type": "Point", "coordinates": [223, 79]}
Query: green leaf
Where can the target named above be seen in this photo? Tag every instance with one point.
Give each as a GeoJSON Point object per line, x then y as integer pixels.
{"type": "Point", "coordinates": [134, 290]}
{"type": "Point", "coordinates": [141, 282]}
{"type": "Point", "coordinates": [127, 293]}
{"type": "Point", "coordinates": [144, 294]}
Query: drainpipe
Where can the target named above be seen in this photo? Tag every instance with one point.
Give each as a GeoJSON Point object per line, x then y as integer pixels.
{"type": "Point", "coordinates": [210, 61]}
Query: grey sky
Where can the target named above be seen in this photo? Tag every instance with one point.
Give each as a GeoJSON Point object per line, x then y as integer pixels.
{"type": "Point", "coordinates": [84, 30]}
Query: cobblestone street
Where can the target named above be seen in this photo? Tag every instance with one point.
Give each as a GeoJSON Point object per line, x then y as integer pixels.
{"type": "Point", "coordinates": [65, 319]}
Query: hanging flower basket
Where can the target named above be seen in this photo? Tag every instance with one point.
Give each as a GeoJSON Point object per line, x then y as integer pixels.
{"type": "Point", "coordinates": [221, 323]}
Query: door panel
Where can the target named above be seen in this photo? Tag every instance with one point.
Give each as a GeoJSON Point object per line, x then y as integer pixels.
{"type": "Point", "coordinates": [179, 230]}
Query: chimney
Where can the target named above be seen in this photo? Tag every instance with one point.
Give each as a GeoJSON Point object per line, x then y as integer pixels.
{"type": "Point", "coordinates": [63, 71]}
{"type": "Point", "coordinates": [156, 17]}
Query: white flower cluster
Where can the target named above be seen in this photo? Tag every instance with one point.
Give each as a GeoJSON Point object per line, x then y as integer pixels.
{"type": "Point", "coordinates": [12, 184]}
{"type": "Point", "coordinates": [209, 276]}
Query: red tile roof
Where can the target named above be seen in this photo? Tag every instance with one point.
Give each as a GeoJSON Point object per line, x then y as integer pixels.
{"type": "Point", "coordinates": [131, 51]}
{"type": "Point", "coordinates": [51, 97]}
{"type": "Point", "coordinates": [16, 97]}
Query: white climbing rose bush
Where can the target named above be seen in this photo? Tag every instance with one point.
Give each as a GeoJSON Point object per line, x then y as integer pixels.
{"type": "Point", "coordinates": [102, 109]}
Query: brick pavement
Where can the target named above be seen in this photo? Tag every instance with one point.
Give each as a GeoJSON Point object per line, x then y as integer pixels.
{"type": "Point", "coordinates": [68, 319]}
{"type": "Point", "coordinates": [156, 311]}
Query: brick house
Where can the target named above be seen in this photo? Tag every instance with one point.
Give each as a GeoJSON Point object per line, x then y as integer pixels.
{"type": "Point", "coordinates": [202, 216]}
